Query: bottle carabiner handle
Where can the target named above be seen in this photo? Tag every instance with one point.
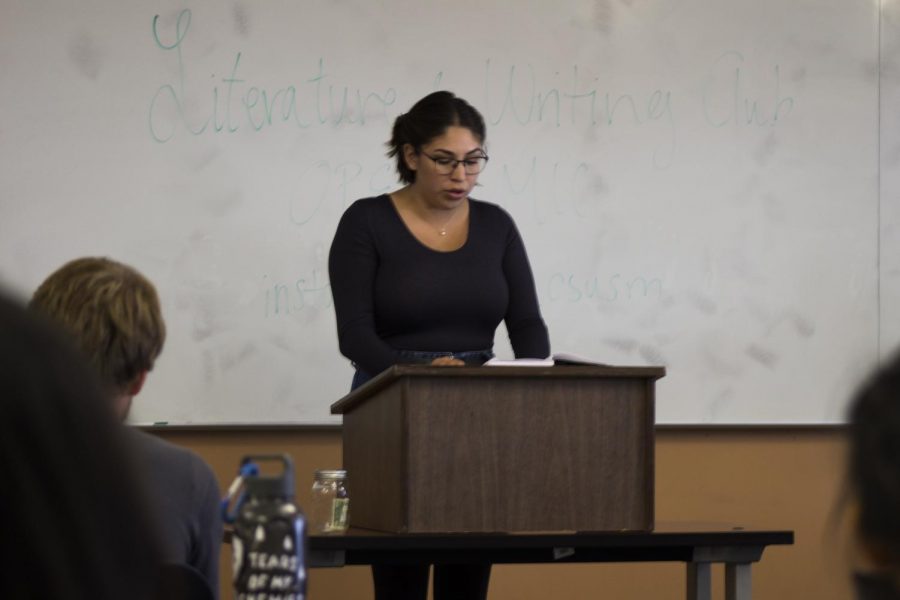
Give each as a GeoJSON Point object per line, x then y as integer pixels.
{"type": "Point", "coordinates": [235, 490]}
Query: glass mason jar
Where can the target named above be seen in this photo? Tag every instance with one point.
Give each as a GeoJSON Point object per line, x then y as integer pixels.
{"type": "Point", "coordinates": [329, 512]}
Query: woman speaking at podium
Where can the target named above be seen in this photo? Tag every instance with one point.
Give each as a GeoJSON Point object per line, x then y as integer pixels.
{"type": "Point", "coordinates": [425, 274]}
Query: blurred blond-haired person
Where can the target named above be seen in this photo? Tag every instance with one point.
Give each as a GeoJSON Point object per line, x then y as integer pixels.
{"type": "Point", "coordinates": [113, 314]}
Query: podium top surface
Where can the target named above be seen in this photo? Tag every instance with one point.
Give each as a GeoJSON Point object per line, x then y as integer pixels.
{"type": "Point", "coordinates": [388, 376]}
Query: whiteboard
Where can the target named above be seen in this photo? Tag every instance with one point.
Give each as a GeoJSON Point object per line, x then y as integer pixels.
{"type": "Point", "coordinates": [889, 259]}
{"type": "Point", "coordinates": [697, 182]}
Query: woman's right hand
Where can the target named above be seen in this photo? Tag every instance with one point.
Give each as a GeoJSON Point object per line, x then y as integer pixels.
{"type": "Point", "coordinates": [447, 361]}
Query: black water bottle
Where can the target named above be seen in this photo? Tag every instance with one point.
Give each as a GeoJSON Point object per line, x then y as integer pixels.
{"type": "Point", "coordinates": [269, 539]}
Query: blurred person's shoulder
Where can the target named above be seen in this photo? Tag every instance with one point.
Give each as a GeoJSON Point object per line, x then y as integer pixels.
{"type": "Point", "coordinates": [168, 462]}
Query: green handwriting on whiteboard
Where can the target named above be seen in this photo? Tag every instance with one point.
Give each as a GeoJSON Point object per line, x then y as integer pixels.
{"type": "Point", "coordinates": [727, 99]}
{"type": "Point", "coordinates": [570, 287]}
{"type": "Point", "coordinates": [734, 92]}
{"type": "Point", "coordinates": [237, 104]}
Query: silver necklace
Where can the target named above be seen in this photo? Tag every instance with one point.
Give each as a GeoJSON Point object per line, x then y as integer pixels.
{"type": "Point", "coordinates": [442, 230]}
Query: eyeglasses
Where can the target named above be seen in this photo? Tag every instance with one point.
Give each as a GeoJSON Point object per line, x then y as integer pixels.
{"type": "Point", "coordinates": [447, 166]}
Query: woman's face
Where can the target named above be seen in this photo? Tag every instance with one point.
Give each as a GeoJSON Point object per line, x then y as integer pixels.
{"type": "Point", "coordinates": [440, 180]}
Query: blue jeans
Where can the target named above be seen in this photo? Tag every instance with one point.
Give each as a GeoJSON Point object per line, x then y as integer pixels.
{"type": "Point", "coordinates": [470, 357]}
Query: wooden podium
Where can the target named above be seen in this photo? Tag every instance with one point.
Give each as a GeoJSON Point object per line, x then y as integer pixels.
{"type": "Point", "coordinates": [501, 449]}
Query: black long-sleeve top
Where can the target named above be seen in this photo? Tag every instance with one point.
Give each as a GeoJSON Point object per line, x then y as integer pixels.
{"type": "Point", "coordinates": [391, 292]}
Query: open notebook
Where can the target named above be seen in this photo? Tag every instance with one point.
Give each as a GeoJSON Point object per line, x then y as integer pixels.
{"type": "Point", "coordinates": [561, 358]}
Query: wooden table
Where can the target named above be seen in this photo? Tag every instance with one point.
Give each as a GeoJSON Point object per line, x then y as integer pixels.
{"type": "Point", "coordinates": [698, 545]}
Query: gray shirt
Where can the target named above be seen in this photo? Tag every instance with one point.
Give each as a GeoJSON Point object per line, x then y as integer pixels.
{"type": "Point", "coordinates": [184, 500]}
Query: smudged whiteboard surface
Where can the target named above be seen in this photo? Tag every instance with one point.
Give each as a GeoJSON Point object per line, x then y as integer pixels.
{"type": "Point", "coordinates": [890, 179]}
{"type": "Point", "coordinates": [697, 182]}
